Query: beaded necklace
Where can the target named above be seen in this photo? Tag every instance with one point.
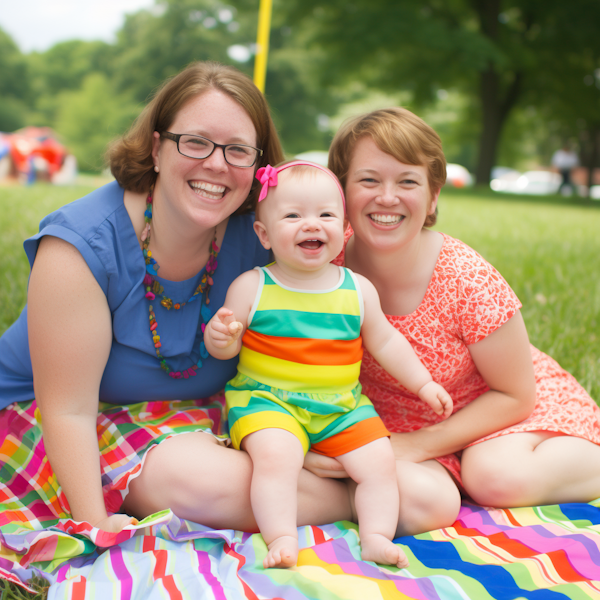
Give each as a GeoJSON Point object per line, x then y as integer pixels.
{"type": "Point", "coordinates": [153, 289]}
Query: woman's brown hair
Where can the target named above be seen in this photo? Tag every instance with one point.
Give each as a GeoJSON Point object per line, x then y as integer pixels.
{"type": "Point", "coordinates": [397, 132]}
{"type": "Point", "coordinates": [130, 157]}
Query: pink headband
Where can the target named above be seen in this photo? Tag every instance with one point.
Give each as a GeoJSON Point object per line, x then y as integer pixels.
{"type": "Point", "coordinates": [268, 177]}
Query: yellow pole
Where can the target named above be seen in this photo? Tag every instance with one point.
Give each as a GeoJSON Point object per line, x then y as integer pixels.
{"type": "Point", "coordinates": [262, 43]}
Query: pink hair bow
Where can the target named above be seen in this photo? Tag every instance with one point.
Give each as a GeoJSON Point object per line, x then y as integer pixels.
{"type": "Point", "coordinates": [268, 177]}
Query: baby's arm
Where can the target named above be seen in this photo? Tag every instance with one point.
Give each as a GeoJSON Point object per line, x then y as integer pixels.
{"type": "Point", "coordinates": [395, 354]}
{"type": "Point", "coordinates": [223, 334]}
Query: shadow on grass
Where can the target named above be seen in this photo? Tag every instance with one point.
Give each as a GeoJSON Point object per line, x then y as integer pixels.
{"type": "Point", "coordinates": [485, 193]}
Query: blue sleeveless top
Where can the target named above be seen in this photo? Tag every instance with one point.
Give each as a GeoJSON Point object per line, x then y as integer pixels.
{"type": "Point", "coordinates": [99, 226]}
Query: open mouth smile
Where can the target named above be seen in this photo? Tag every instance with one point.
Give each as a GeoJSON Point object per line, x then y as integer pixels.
{"type": "Point", "coordinates": [386, 219]}
{"type": "Point", "coordinates": [311, 244]}
{"type": "Point", "coordinates": [208, 190]}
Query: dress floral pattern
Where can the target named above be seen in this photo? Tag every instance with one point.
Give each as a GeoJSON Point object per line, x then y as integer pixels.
{"type": "Point", "coordinates": [466, 300]}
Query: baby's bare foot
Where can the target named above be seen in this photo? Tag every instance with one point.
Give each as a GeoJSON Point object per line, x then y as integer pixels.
{"type": "Point", "coordinates": [283, 552]}
{"type": "Point", "coordinates": [379, 549]}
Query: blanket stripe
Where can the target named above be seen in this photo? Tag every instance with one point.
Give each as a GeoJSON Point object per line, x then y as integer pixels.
{"type": "Point", "coordinates": [539, 553]}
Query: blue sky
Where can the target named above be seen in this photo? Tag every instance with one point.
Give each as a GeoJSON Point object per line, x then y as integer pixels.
{"type": "Point", "coordinates": [39, 24]}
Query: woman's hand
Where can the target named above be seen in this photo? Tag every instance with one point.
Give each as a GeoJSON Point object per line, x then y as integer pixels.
{"type": "Point", "coordinates": [406, 447]}
{"type": "Point", "coordinates": [324, 466]}
{"type": "Point", "coordinates": [115, 523]}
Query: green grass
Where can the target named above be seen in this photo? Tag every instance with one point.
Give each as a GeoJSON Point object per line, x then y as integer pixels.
{"type": "Point", "coordinates": [11, 591]}
{"type": "Point", "coordinates": [21, 210]}
{"type": "Point", "coordinates": [547, 248]}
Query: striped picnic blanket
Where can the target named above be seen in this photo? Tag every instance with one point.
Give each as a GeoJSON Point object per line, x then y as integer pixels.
{"type": "Point", "coordinates": [543, 553]}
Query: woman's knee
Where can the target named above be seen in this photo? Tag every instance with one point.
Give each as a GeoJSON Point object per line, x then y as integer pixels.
{"type": "Point", "coordinates": [188, 471]}
{"type": "Point", "coordinates": [429, 498]}
{"type": "Point", "coordinates": [492, 480]}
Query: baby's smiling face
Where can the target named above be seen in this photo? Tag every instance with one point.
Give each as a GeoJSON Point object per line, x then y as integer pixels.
{"type": "Point", "coordinates": [302, 219]}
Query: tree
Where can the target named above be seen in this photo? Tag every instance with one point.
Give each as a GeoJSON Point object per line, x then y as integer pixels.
{"type": "Point", "coordinates": [61, 68]}
{"type": "Point", "coordinates": [90, 117]}
{"type": "Point", "coordinates": [65, 65]}
{"type": "Point", "coordinates": [153, 46]}
{"type": "Point", "coordinates": [496, 51]}
{"type": "Point", "coordinates": [295, 95]}
{"type": "Point", "coordinates": [572, 105]}
{"type": "Point", "coordinates": [207, 30]}
{"type": "Point", "coordinates": [14, 87]}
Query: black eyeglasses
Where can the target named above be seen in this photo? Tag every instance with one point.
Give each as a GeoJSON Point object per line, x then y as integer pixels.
{"type": "Point", "coordinates": [196, 146]}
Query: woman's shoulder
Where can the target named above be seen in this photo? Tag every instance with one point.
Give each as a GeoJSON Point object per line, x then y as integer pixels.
{"type": "Point", "coordinates": [87, 214]}
{"type": "Point", "coordinates": [240, 234]}
{"type": "Point", "coordinates": [472, 281]}
{"type": "Point", "coordinates": [98, 225]}
{"type": "Point", "coordinates": [458, 260]}
{"type": "Point", "coordinates": [459, 251]}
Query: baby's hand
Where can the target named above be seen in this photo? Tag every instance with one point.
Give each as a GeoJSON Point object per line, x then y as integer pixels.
{"type": "Point", "coordinates": [116, 523]}
{"type": "Point", "coordinates": [437, 397]}
{"type": "Point", "coordinates": [224, 329]}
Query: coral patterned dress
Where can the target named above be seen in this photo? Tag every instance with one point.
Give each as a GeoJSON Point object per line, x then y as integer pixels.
{"type": "Point", "coordinates": [466, 300]}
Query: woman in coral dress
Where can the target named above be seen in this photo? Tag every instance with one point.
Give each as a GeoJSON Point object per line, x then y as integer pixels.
{"type": "Point", "coordinates": [523, 432]}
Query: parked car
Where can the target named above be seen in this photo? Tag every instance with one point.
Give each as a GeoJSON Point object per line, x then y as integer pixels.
{"type": "Point", "coordinates": [503, 178]}
{"type": "Point", "coordinates": [531, 182]}
{"type": "Point", "coordinates": [538, 183]}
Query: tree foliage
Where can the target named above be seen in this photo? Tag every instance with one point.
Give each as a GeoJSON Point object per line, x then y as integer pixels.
{"type": "Point", "coordinates": [91, 116]}
{"type": "Point", "coordinates": [205, 30]}
{"type": "Point", "coordinates": [14, 88]}
{"type": "Point", "coordinates": [153, 46]}
{"type": "Point", "coordinates": [497, 62]}
{"type": "Point", "coordinates": [501, 53]}
{"type": "Point", "coordinates": [90, 91]}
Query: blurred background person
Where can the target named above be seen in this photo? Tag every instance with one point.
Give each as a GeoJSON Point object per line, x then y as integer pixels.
{"type": "Point", "coordinates": [563, 161]}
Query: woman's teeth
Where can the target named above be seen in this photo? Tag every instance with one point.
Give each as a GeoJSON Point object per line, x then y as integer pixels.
{"type": "Point", "coordinates": [386, 219]}
{"type": "Point", "coordinates": [209, 190]}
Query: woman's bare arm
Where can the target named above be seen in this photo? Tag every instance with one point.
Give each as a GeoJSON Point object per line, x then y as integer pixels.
{"type": "Point", "coordinates": [504, 361]}
{"type": "Point", "coordinates": [70, 335]}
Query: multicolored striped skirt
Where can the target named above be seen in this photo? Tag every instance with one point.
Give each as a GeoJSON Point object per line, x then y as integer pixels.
{"type": "Point", "coordinates": [30, 493]}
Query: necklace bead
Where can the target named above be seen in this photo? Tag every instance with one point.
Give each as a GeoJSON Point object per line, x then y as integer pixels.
{"type": "Point", "coordinates": [154, 288]}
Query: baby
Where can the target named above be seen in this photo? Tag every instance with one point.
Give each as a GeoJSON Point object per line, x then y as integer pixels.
{"type": "Point", "coordinates": [299, 326]}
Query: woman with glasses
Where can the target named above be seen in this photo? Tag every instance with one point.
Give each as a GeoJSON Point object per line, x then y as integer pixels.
{"type": "Point", "coordinates": [122, 284]}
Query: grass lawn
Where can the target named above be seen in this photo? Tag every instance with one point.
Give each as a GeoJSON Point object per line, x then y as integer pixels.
{"type": "Point", "coordinates": [547, 248]}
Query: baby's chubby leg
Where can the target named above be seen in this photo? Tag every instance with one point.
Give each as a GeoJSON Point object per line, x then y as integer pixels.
{"type": "Point", "coordinates": [277, 457]}
{"type": "Point", "coordinates": [373, 468]}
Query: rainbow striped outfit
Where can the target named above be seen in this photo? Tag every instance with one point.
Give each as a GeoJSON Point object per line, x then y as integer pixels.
{"type": "Point", "coordinates": [299, 366]}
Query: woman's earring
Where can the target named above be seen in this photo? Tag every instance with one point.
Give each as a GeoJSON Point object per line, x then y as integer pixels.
{"type": "Point", "coordinates": [156, 168]}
